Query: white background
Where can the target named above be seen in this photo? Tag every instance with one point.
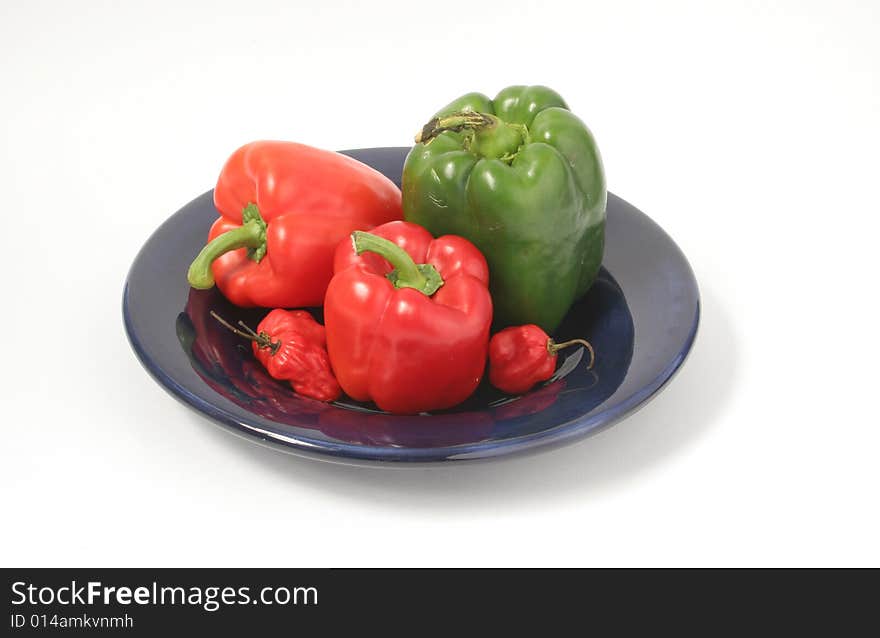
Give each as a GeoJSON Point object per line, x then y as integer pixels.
{"type": "Point", "coordinates": [748, 130]}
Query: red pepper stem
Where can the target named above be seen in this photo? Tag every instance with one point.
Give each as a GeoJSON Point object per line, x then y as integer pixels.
{"type": "Point", "coordinates": [251, 235]}
{"type": "Point", "coordinates": [262, 339]}
{"type": "Point", "coordinates": [553, 348]}
{"type": "Point", "coordinates": [407, 273]}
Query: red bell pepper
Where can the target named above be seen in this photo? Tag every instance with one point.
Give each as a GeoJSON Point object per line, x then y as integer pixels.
{"type": "Point", "coordinates": [408, 317]}
{"type": "Point", "coordinates": [521, 356]}
{"type": "Point", "coordinates": [284, 208]}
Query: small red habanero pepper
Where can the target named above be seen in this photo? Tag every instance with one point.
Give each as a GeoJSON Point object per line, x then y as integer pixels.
{"type": "Point", "coordinates": [291, 345]}
{"type": "Point", "coordinates": [284, 207]}
{"type": "Point", "coordinates": [408, 318]}
{"type": "Point", "coordinates": [521, 356]}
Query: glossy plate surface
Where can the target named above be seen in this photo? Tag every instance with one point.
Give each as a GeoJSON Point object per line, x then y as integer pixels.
{"type": "Point", "coordinates": [641, 316]}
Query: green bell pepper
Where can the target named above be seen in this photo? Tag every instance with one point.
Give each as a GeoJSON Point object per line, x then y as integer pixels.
{"type": "Point", "coordinates": [521, 177]}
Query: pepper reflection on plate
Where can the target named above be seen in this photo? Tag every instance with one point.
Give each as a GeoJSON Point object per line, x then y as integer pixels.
{"type": "Point", "coordinates": [226, 363]}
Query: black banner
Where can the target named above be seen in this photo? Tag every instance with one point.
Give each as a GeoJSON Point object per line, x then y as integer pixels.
{"type": "Point", "coordinates": [268, 602]}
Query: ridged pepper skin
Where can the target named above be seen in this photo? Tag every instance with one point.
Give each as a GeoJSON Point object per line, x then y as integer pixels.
{"type": "Point", "coordinates": [297, 353]}
{"type": "Point", "coordinates": [405, 349]}
{"type": "Point", "coordinates": [522, 178]}
{"type": "Point", "coordinates": [284, 207]}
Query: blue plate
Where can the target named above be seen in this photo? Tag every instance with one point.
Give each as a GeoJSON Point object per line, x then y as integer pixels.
{"type": "Point", "coordinates": [641, 316]}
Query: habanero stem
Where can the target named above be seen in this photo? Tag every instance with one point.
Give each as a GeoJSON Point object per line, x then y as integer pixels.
{"type": "Point", "coordinates": [553, 348]}
{"type": "Point", "coordinates": [262, 339]}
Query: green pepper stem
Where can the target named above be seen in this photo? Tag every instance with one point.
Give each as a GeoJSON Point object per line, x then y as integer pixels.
{"type": "Point", "coordinates": [454, 122]}
{"type": "Point", "coordinates": [483, 134]}
{"type": "Point", "coordinates": [407, 273]}
{"type": "Point", "coordinates": [553, 348]}
{"type": "Point", "coordinates": [251, 235]}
